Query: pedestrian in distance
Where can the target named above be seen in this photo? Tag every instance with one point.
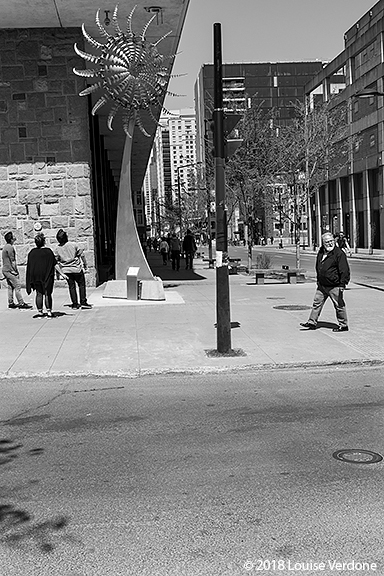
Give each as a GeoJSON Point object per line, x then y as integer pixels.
{"type": "Point", "coordinates": [333, 275]}
{"type": "Point", "coordinates": [40, 275]}
{"type": "Point", "coordinates": [72, 263]}
{"type": "Point", "coordinates": [343, 244]}
{"type": "Point", "coordinates": [189, 249]}
{"type": "Point", "coordinates": [144, 246]}
{"type": "Point", "coordinates": [175, 248]}
{"type": "Point", "coordinates": [168, 240]}
{"type": "Point", "coordinates": [164, 249]}
{"type": "Point", "coordinates": [11, 273]}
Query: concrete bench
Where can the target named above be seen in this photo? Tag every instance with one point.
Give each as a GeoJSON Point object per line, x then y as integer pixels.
{"type": "Point", "coordinates": [291, 275]}
{"type": "Point", "coordinates": [233, 265]}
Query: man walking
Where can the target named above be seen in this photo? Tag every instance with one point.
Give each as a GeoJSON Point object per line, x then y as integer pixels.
{"type": "Point", "coordinates": [175, 247]}
{"type": "Point", "coordinates": [11, 273]}
{"type": "Point", "coordinates": [189, 249]}
{"type": "Point", "coordinates": [333, 275]}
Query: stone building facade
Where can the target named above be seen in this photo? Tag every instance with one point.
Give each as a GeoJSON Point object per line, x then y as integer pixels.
{"type": "Point", "coordinates": [45, 152]}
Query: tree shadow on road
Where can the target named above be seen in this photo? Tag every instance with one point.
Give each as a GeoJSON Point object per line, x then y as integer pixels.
{"type": "Point", "coordinates": [17, 525]}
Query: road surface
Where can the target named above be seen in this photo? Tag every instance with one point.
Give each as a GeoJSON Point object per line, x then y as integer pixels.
{"type": "Point", "coordinates": [203, 475]}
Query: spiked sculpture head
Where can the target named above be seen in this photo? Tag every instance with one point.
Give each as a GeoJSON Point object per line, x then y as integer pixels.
{"type": "Point", "coordinates": [129, 71]}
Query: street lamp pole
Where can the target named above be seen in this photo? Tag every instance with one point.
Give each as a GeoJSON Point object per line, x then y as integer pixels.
{"type": "Point", "coordinates": [222, 272]}
{"type": "Point", "coordinates": [179, 196]}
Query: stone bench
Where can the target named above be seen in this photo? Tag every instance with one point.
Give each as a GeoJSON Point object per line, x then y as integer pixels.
{"type": "Point", "coordinates": [291, 275]}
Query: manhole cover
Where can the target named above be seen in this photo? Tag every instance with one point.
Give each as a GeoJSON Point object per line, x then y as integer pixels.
{"type": "Point", "coordinates": [292, 307]}
{"type": "Point", "coordinates": [355, 456]}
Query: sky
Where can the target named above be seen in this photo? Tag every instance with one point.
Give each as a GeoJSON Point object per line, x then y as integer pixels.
{"type": "Point", "coordinates": [260, 31]}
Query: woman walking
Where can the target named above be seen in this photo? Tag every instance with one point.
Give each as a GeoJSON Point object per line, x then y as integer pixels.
{"type": "Point", "coordinates": [40, 275]}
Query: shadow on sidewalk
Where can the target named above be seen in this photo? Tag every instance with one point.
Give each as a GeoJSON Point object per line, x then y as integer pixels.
{"type": "Point", "coordinates": [155, 262]}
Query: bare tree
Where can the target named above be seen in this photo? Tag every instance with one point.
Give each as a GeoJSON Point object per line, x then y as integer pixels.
{"type": "Point", "coordinates": [250, 171]}
{"type": "Point", "coordinates": [315, 147]}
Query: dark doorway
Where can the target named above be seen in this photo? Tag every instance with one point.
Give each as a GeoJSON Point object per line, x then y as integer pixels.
{"type": "Point", "coordinates": [376, 232]}
{"type": "Point", "coordinates": [360, 230]}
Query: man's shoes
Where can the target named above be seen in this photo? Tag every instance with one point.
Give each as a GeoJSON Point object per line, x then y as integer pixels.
{"type": "Point", "coordinates": [75, 306]}
{"type": "Point", "coordinates": [12, 305]}
{"type": "Point", "coordinates": [24, 306]}
{"type": "Point", "coordinates": [86, 306]}
{"type": "Point", "coordinates": [308, 325]}
{"type": "Point", "coordinates": [340, 329]}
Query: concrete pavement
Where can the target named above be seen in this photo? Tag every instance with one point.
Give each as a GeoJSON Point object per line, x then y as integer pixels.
{"type": "Point", "coordinates": [178, 335]}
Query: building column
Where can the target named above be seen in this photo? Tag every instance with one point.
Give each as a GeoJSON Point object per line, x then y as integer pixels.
{"type": "Point", "coordinates": [339, 205]}
{"type": "Point", "coordinates": [318, 215]}
{"type": "Point", "coordinates": [369, 213]}
{"type": "Point", "coordinates": [353, 214]}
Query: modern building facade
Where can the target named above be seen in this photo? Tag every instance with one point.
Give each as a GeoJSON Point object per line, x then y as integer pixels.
{"type": "Point", "coordinates": [59, 166]}
{"type": "Point", "coordinates": [268, 85]}
{"type": "Point", "coordinates": [353, 199]}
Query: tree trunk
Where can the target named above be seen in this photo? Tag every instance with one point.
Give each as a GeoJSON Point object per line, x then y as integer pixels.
{"type": "Point", "coordinates": [248, 244]}
{"type": "Point", "coordinates": [297, 253]}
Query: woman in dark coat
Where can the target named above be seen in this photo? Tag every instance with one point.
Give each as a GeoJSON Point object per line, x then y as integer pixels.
{"type": "Point", "coordinates": [41, 274]}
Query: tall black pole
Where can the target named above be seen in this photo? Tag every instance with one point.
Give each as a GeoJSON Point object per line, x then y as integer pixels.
{"type": "Point", "coordinates": [222, 273]}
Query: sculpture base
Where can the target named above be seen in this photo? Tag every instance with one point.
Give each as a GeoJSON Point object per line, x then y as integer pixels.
{"type": "Point", "coordinates": [150, 290]}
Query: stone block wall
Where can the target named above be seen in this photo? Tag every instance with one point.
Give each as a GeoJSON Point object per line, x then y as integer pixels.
{"type": "Point", "coordinates": [45, 173]}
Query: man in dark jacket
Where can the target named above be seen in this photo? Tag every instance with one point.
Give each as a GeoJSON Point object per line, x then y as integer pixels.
{"type": "Point", "coordinates": [333, 275]}
{"type": "Point", "coordinates": [189, 249]}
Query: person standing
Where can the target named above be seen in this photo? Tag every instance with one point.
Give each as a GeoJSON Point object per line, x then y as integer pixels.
{"type": "Point", "coordinates": [333, 275]}
{"type": "Point", "coordinates": [71, 260]}
{"type": "Point", "coordinates": [11, 273]}
{"type": "Point", "coordinates": [175, 248]}
{"type": "Point", "coordinates": [189, 249]}
{"type": "Point", "coordinates": [40, 275]}
{"type": "Point", "coordinates": [343, 244]}
{"type": "Point", "coordinates": [164, 249]}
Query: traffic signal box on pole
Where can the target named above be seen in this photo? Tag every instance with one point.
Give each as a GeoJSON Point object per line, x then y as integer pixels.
{"type": "Point", "coordinates": [231, 144]}
{"type": "Point", "coordinates": [230, 122]}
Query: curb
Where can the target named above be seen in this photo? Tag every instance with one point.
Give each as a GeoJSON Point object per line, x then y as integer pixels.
{"type": "Point", "coordinates": [195, 371]}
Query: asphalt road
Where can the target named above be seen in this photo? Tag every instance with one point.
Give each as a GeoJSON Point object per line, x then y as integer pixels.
{"type": "Point", "coordinates": [211, 475]}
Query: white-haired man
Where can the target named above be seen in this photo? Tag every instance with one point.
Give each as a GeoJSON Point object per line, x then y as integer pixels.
{"type": "Point", "coordinates": [333, 275]}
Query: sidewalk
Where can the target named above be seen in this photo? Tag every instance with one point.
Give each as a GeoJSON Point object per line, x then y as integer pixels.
{"type": "Point", "coordinates": [361, 254]}
{"type": "Point", "coordinates": [118, 337]}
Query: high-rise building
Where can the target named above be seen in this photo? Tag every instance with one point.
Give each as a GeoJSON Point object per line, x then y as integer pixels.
{"type": "Point", "coordinates": [168, 175]}
{"type": "Point", "coordinates": [267, 85]}
{"type": "Point", "coordinates": [352, 200]}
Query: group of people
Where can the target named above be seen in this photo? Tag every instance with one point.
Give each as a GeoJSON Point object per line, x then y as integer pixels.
{"type": "Point", "coordinates": [67, 260]}
{"type": "Point", "coordinates": [171, 248]}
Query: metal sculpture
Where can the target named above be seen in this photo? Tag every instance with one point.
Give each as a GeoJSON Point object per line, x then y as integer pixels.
{"type": "Point", "coordinates": [129, 71]}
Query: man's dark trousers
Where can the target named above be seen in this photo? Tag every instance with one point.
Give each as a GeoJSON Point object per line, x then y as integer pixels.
{"type": "Point", "coordinates": [79, 279]}
{"type": "Point", "coordinates": [175, 256]}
